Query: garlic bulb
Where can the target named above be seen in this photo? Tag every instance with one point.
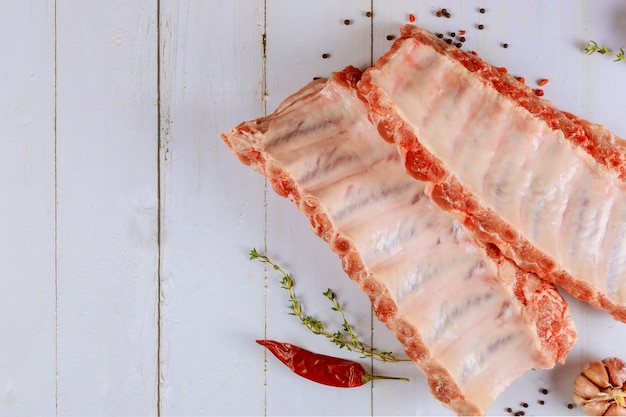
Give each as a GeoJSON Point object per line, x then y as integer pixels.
{"type": "Point", "coordinates": [599, 388]}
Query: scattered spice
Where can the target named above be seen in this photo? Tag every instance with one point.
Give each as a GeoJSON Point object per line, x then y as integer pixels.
{"type": "Point", "coordinates": [440, 35]}
{"type": "Point", "coordinates": [525, 405]}
{"type": "Point", "coordinates": [323, 369]}
{"type": "Point", "coordinates": [473, 53]}
{"type": "Point", "coordinates": [542, 82]}
{"type": "Point", "coordinates": [508, 410]}
{"type": "Point", "coordinates": [519, 413]}
{"type": "Point", "coordinates": [541, 402]}
{"type": "Point", "coordinates": [503, 70]}
{"type": "Point", "coordinates": [452, 34]}
{"type": "Point", "coordinates": [481, 26]}
{"type": "Point", "coordinates": [462, 38]}
{"type": "Point", "coordinates": [462, 32]}
{"type": "Point", "coordinates": [542, 390]}
{"type": "Point", "coordinates": [505, 45]}
{"type": "Point", "coordinates": [325, 56]}
{"type": "Point", "coordinates": [523, 80]}
{"type": "Point", "coordinates": [391, 37]}
{"type": "Point", "coordinates": [570, 406]}
{"type": "Point", "coordinates": [316, 78]}
{"type": "Point", "coordinates": [449, 41]}
{"type": "Point", "coordinates": [458, 44]}
{"type": "Point", "coordinates": [411, 17]}
{"type": "Point", "coordinates": [481, 10]}
{"type": "Point", "coordinates": [346, 22]}
{"type": "Point", "coordinates": [368, 14]}
{"type": "Point", "coordinates": [539, 92]}
{"type": "Point", "coordinates": [443, 12]}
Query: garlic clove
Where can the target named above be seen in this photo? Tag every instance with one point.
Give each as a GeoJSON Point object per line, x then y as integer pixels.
{"type": "Point", "coordinates": [615, 410]}
{"type": "Point", "coordinates": [597, 373]}
{"type": "Point", "coordinates": [579, 400]}
{"type": "Point", "coordinates": [617, 371]}
{"type": "Point", "coordinates": [584, 388]}
{"type": "Point", "coordinates": [596, 408]}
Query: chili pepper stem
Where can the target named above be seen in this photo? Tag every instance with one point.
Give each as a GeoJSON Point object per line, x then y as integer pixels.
{"type": "Point", "coordinates": [369, 377]}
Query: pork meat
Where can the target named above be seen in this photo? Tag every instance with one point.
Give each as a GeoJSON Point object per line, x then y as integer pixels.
{"type": "Point", "coordinates": [547, 188]}
{"type": "Point", "coordinates": [469, 318]}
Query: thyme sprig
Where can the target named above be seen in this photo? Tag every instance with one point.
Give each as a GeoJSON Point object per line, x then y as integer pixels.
{"type": "Point", "coordinates": [592, 48]}
{"type": "Point", "coordinates": [344, 339]}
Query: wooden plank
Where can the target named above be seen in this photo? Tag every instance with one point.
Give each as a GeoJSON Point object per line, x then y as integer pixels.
{"type": "Point", "coordinates": [107, 207]}
{"type": "Point", "coordinates": [545, 40]}
{"type": "Point", "coordinates": [212, 210]}
{"type": "Point", "coordinates": [27, 287]}
{"type": "Point", "coordinates": [298, 35]}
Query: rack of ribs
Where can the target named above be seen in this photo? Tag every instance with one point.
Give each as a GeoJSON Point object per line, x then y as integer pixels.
{"type": "Point", "coordinates": [545, 187]}
{"type": "Point", "coordinates": [468, 317]}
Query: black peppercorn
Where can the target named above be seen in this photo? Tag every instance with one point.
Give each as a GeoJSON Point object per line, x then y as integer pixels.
{"type": "Point", "coordinates": [462, 39]}
{"type": "Point", "coordinates": [481, 27]}
{"type": "Point", "coordinates": [525, 405]}
{"type": "Point", "coordinates": [543, 391]}
{"type": "Point", "coordinates": [505, 45]}
{"type": "Point", "coordinates": [346, 22]}
{"type": "Point", "coordinates": [439, 13]}
{"type": "Point", "coordinates": [481, 10]}
{"type": "Point", "coordinates": [325, 56]}
{"type": "Point", "coordinates": [541, 402]}
{"type": "Point", "coordinates": [390, 37]}
{"type": "Point", "coordinates": [452, 34]}
{"type": "Point", "coordinates": [440, 35]}
{"type": "Point", "coordinates": [458, 44]}
{"type": "Point", "coordinates": [368, 14]}
{"type": "Point", "coordinates": [570, 406]}
{"type": "Point", "coordinates": [449, 41]}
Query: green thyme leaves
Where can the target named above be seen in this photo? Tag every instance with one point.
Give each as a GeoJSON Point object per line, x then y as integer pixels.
{"type": "Point", "coordinates": [592, 48]}
{"type": "Point", "coordinates": [345, 338]}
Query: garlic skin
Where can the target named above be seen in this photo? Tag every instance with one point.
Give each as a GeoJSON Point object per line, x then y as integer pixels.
{"type": "Point", "coordinates": [599, 388]}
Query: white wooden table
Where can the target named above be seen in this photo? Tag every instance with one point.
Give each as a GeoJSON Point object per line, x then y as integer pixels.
{"type": "Point", "coordinates": [125, 222]}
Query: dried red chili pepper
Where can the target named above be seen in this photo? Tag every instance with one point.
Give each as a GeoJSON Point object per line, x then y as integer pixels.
{"type": "Point", "coordinates": [411, 17]}
{"type": "Point", "coordinates": [322, 369]}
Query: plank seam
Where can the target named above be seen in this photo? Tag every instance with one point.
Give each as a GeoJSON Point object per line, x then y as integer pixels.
{"type": "Point", "coordinates": [56, 208]}
{"type": "Point", "coordinates": [159, 207]}
{"type": "Point", "coordinates": [372, 318]}
{"type": "Point", "coordinates": [265, 199]}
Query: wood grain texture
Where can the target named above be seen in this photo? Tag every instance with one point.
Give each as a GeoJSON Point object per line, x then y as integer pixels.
{"type": "Point", "coordinates": [101, 209]}
{"type": "Point", "coordinates": [212, 210]}
{"type": "Point", "coordinates": [107, 207]}
{"type": "Point", "coordinates": [296, 50]}
{"type": "Point", "coordinates": [27, 209]}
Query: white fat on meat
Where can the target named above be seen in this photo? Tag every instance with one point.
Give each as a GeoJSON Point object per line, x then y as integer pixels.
{"type": "Point", "coordinates": [446, 288]}
{"type": "Point", "coordinates": [555, 194]}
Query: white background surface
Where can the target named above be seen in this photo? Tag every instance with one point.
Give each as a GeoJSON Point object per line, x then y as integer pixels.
{"type": "Point", "coordinates": [125, 223]}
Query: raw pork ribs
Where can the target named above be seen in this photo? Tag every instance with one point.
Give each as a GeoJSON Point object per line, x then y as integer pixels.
{"type": "Point", "coordinates": [548, 189]}
{"type": "Point", "coordinates": [469, 318]}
